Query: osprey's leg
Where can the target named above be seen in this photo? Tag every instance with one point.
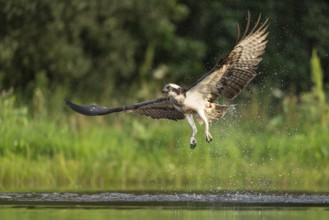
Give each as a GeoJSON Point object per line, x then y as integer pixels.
{"type": "Point", "coordinates": [190, 120]}
{"type": "Point", "coordinates": [206, 123]}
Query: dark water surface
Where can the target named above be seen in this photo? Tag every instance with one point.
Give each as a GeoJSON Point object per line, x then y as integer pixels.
{"type": "Point", "coordinates": [160, 205]}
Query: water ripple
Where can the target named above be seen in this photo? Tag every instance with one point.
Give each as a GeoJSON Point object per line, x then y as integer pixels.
{"type": "Point", "coordinates": [154, 198]}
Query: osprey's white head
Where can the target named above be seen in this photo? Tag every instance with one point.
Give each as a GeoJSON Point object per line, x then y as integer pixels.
{"type": "Point", "coordinates": [174, 91]}
{"type": "Point", "coordinates": [171, 88]}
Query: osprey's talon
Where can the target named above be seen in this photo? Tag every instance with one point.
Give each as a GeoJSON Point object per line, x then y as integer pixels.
{"type": "Point", "coordinates": [192, 143]}
{"type": "Point", "coordinates": [208, 137]}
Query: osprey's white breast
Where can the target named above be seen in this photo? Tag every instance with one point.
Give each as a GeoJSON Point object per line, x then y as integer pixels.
{"type": "Point", "coordinates": [194, 102]}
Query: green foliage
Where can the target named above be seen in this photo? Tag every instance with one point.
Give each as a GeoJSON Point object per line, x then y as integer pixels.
{"type": "Point", "coordinates": [102, 42]}
{"type": "Point", "coordinates": [101, 47]}
{"type": "Point", "coordinates": [317, 78]}
{"type": "Point", "coordinates": [308, 114]}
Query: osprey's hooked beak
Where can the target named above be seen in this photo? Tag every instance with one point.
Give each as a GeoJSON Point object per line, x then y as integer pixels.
{"type": "Point", "coordinates": [165, 89]}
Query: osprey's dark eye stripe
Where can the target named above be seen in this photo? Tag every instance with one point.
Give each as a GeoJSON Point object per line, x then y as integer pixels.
{"type": "Point", "coordinates": [177, 91]}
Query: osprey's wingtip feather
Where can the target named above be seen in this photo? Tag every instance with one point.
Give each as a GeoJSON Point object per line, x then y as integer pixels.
{"type": "Point", "coordinates": [89, 110]}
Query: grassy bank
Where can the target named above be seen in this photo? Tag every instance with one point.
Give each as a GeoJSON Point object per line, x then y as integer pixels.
{"type": "Point", "coordinates": [74, 152]}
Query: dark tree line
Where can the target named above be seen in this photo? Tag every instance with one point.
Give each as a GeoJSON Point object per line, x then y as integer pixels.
{"type": "Point", "coordinates": [98, 48]}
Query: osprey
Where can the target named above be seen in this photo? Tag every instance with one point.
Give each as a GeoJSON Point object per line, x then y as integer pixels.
{"type": "Point", "coordinates": [227, 78]}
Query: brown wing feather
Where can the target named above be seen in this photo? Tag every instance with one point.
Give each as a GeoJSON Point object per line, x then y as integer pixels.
{"type": "Point", "coordinates": [160, 108]}
{"type": "Point", "coordinates": [232, 74]}
{"type": "Point", "coordinates": [161, 113]}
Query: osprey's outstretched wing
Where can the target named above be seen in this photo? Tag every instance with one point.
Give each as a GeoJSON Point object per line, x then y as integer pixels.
{"type": "Point", "coordinates": [160, 108]}
{"type": "Point", "coordinates": [229, 77]}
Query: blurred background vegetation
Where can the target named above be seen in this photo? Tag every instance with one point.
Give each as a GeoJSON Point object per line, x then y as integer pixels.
{"type": "Point", "coordinates": [117, 52]}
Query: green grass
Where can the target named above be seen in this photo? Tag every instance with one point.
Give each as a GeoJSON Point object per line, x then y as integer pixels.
{"type": "Point", "coordinates": [136, 153]}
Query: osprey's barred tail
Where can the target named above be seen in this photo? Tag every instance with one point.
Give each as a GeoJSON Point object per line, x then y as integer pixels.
{"type": "Point", "coordinates": [216, 111]}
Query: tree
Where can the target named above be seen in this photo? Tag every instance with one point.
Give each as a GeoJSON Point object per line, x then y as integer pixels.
{"type": "Point", "coordinates": [101, 47]}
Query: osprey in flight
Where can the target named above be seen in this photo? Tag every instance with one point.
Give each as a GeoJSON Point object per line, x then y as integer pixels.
{"type": "Point", "coordinates": [228, 78]}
